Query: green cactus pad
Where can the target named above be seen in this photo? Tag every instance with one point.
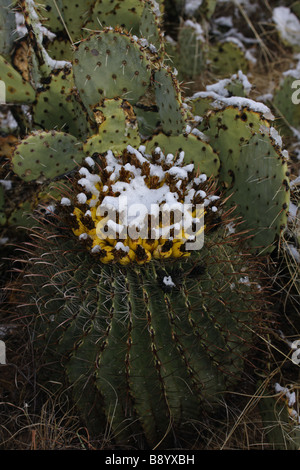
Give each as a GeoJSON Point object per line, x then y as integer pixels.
{"type": "Point", "coordinates": [2, 206]}
{"type": "Point", "coordinates": [60, 49]}
{"type": "Point", "coordinates": [57, 106]}
{"type": "Point", "coordinates": [196, 150]}
{"type": "Point", "coordinates": [228, 130]}
{"type": "Point", "coordinates": [148, 121]}
{"type": "Point", "coordinates": [117, 128]}
{"type": "Point", "coordinates": [22, 216]}
{"type": "Point", "coordinates": [191, 52]}
{"type": "Point", "coordinates": [235, 86]}
{"type": "Point", "coordinates": [207, 8]}
{"type": "Point", "coordinates": [51, 16]}
{"type": "Point", "coordinates": [65, 16]}
{"type": "Point", "coordinates": [284, 106]}
{"type": "Point", "coordinates": [117, 13]}
{"type": "Point", "coordinates": [75, 15]}
{"type": "Point", "coordinates": [109, 65]}
{"type": "Point", "coordinates": [226, 59]}
{"type": "Point", "coordinates": [141, 357]}
{"type": "Point", "coordinates": [150, 26]}
{"type": "Point", "coordinates": [18, 91]}
{"type": "Point", "coordinates": [169, 102]}
{"type": "Point", "coordinates": [200, 106]}
{"type": "Point", "coordinates": [7, 28]}
{"type": "Point", "coordinates": [261, 190]}
{"type": "Point", "coordinates": [46, 155]}
{"type": "Point", "coordinates": [253, 169]}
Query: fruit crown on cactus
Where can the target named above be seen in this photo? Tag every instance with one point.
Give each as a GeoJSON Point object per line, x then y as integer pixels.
{"type": "Point", "coordinates": [139, 206]}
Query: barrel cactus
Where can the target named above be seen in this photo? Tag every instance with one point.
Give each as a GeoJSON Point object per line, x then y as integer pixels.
{"type": "Point", "coordinates": [148, 331]}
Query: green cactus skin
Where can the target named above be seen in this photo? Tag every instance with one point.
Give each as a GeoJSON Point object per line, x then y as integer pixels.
{"type": "Point", "coordinates": [60, 49]}
{"type": "Point", "coordinates": [57, 106]}
{"type": "Point", "coordinates": [253, 169]}
{"type": "Point", "coordinates": [169, 102]}
{"type": "Point", "coordinates": [139, 356]}
{"type": "Point", "coordinates": [200, 106]}
{"type": "Point", "coordinates": [75, 16]}
{"type": "Point", "coordinates": [283, 432]}
{"type": "Point", "coordinates": [125, 14]}
{"type": "Point", "coordinates": [190, 58]}
{"type": "Point", "coordinates": [29, 203]}
{"type": "Point", "coordinates": [46, 155]}
{"type": "Point", "coordinates": [226, 59]}
{"type": "Point", "coordinates": [21, 217]}
{"type": "Point", "coordinates": [228, 130]}
{"type": "Point", "coordinates": [2, 206]}
{"type": "Point", "coordinates": [111, 64]}
{"type": "Point", "coordinates": [117, 128]}
{"type": "Point", "coordinates": [150, 27]}
{"type": "Point", "coordinates": [207, 8]}
{"type": "Point", "coordinates": [51, 17]}
{"type": "Point", "coordinates": [17, 206]}
{"type": "Point", "coordinates": [137, 17]}
{"type": "Point", "coordinates": [18, 91]}
{"type": "Point", "coordinates": [71, 16]}
{"type": "Point", "coordinates": [196, 150]}
{"type": "Point", "coordinates": [7, 28]}
{"type": "Point", "coordinates": [285, 107]}
{"type": "Point", "coordinates": [267, 189]}
{"type": "Point", "coordinates": [148, 121]}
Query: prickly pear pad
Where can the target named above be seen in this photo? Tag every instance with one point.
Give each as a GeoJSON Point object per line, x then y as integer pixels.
{"type": "Point", "coordinates": [117, 128]}
{"type": "Point", "coordinates": [168, 98]}
{"type": "Point", "coordinates": [44, 155]}
{"type": "Point", "coordinates": [111, 64]}
{"type": "Point", "coordinates": [17, 90]}
{"type": "Point", "coordinates": [122, 13]}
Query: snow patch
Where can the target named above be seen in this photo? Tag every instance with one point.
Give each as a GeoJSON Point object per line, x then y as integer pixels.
{"type": "Point", "coordinates": [287, 25]}
{"type": "Point", "coordinates": [65, 201]}
{"type": "Point", "coordinates": [167, 280]}
{"type": "Point", "coordinates": [290, 396]}
{"type": "Point", "coordinates": [197, 28]}
{"type": "Point", "coordinates": [191, 6]}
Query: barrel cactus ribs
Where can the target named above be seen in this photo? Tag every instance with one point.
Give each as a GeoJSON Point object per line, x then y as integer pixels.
{"type": "Point", "coordinates": [148, 333]}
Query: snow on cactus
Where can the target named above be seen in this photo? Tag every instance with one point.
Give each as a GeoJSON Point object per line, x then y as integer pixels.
{"type": "Point", "coordinates": [139, 206]}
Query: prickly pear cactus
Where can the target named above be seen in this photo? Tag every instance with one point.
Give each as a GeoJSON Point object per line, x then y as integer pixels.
{"type": "Point", "coordinates": [117, 126]}
{"type": "Point", "coordinates": [17, 91]}
{"type": "Point", "coordinates": [7, 27]}
{"type": "Point", "coordinates": [190, 59]}
{"type": "Point", "coordinates": [111, 64]}
{"type": "Point", "coordinates": [46, 155]}
{"type": "Point", "coordinates": [197, 150]}
{"type": "Point", "coordinates": [57, 106]}
{"type": "Point", "coordinates": [286, 102]}
{"type": "Point", "coordinates": [148, 331]}
{"type": "Point", "coordinates": [227, 58]}
{"type": "Point", "coordinates": [117, 13]}
{"type": "Point", "coordinates": [253, 169]}
{"type": "Point", "coordinates": [169, 102]}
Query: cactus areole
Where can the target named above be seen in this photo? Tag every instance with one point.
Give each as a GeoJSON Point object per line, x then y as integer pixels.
{"type": "Point", "coordinates": [147, 332]}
